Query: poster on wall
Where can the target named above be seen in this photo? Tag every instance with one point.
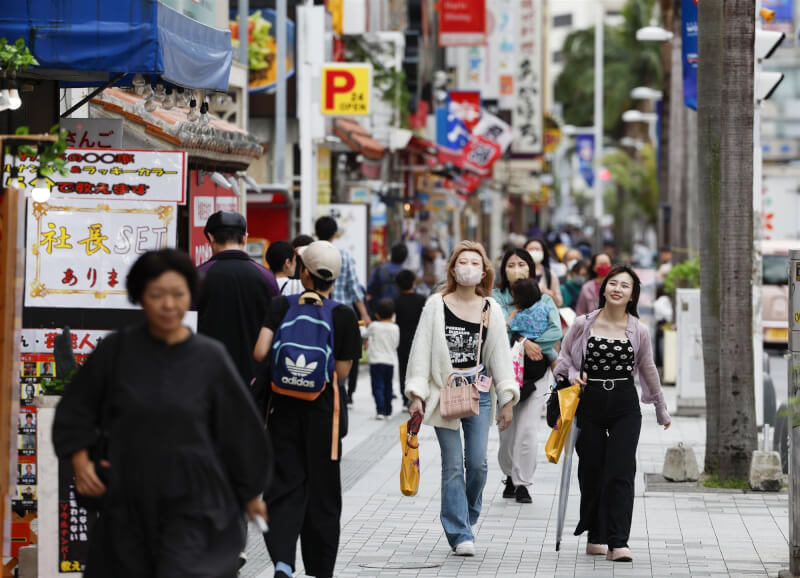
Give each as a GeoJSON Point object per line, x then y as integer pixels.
{"type": "Point", "coordinates": [353, 234]}
{"type": "Point", "coordinates": [112, 174]}
{"type": "Point", "coordinates": [462, 22]}
{"type": "Point", "coordinates": [528, 119]}
{"type": "Point", "coordinates": [78, 252]}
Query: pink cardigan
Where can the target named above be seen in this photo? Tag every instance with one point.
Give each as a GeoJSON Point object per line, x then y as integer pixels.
{"type": "Point", "coordinates": [588, 298]}
{"type": "Point", "coordinates": [573, 349]}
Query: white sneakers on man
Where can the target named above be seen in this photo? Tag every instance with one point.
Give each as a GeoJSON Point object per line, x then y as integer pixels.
{"type": "Point", "coordinates": [465, 548]}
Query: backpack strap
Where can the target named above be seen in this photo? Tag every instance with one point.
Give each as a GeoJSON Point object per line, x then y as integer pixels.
{"type": "Point", "coordinates": [335, 428]}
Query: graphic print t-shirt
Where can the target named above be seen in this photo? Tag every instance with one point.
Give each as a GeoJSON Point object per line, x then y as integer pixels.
{"type": "Point", "coordinates": [462, 339]}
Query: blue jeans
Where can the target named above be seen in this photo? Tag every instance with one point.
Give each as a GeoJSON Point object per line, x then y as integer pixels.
{"type": "Point", "coordinates": [381, 376]}
{"type": "Point", "coordinates": [462, 496]}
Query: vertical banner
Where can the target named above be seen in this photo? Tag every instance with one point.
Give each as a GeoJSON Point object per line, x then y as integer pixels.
{"type": "Point", "coordinates": [584, 147]}
{"type": "Point", "coordinates": [528, 119]}
{"type": "Point", "coordinates": [504, 37]}
{"type": "Point", "coordinates": [689, 49]}
{"type": "Point", "coordinates": [462, 22]}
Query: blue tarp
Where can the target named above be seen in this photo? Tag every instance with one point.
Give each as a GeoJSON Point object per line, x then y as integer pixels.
{"type": "Point", "coordinates": [130, 36]}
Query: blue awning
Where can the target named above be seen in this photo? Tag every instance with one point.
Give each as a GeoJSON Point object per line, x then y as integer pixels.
{"type": "Point", "coordinates": [120, 36]}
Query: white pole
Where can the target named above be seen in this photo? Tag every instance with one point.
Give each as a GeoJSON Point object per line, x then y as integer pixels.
{"type": "Point", "coordinates": [758, 326]}
{"type": "Point", "coordinates": [279, 175]}
{"type": "Point", "coordinates": [304, 101]}
{"type": "Point", "coordinates": [598, 121]}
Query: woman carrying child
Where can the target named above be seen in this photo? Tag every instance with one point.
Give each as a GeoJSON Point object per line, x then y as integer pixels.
{"type": "Point", "coordinates": [519, 442]}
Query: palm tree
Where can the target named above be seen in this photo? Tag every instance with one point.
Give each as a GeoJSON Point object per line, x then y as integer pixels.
{"type": "Point", "coordinates": [725, 149]}
{"type": "Point", "coordinates": [627, 63]}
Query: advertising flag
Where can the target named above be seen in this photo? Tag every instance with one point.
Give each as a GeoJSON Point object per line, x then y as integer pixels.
{"type": "Point", "coordinates": [689, 38]}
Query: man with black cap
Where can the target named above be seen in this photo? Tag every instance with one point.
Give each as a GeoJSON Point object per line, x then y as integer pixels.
{"type": "Point", "coordinates": [235, 291]}
{"type": "Point", "coordinates": [307, 413]}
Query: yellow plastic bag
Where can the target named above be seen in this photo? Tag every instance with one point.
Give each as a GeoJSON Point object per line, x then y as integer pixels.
{"type": "Point", "coordinates": [409, 467]}
{"type": "Point", "coordinates": [568, 399]}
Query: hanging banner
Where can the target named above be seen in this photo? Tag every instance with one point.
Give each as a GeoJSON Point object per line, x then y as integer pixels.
{"type": "Point", "coordinates": [466, 107]}
{"type": "Point", "coordinates": [689, 49]}
{"type": "Point", "coordinates": [528, 118]}
{"type": "Point", "coordinates": [78, 252]}
{"type": "Point", "coordinates": [495, 129]}
{"type": "Point", "coordinates": [503, 43]}
{"type": "Point", "coordinates": [584, 148]}
{"type": "Point", "coordinates": [462, 22]}
{"type": "Point", "coordinates": [112, 174]}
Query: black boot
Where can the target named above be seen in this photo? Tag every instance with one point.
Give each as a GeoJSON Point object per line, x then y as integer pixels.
{"type": "Point", "coordinates": [509, 490]}
{"type": "Point", "coordinates": [522, 495]}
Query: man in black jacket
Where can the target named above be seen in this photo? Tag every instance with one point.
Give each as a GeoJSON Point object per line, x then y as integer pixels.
{"type": "Point", "coordinates": [235, 291]}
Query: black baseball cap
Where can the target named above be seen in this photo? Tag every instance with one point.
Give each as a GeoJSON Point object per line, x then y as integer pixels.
{"type": "Point", "coordinates": [230, 220]}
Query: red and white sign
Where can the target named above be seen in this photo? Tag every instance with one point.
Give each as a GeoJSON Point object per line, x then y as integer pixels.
{"type": "Point", "coordinates": [207, 199]}
{"type": "Point", "coordinates": [480, 154]}
{"type": "Point", "coordinates": [113, 174]}
{"type": "Point", "coordinates": [466, 106]}
{"type": "Point", "coordinates": [495, 129]}
{"type": "Point", "coordinates": [462, 22]}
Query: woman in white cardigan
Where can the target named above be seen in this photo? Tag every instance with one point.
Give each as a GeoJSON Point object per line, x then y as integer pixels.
{"type": "Point", "coordinates": [446, 341]}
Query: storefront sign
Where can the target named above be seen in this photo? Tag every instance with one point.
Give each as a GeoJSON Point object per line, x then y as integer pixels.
{"type": "Point", "coordinates": [462, 22]}
{"type": "Point", "coordinates": [113, 174]}
{"type": "Point", "coordinates": [93, 133]}
{"type": "Point", "coordinates": [527, 119]}
{"type": "Point", "coordinates": [346, 89]}
{"type": "Point", "coordinates": [78, 252]}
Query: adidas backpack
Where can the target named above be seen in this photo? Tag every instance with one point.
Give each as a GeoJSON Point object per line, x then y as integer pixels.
{"type": "Point", "coordinates": [303, 362]}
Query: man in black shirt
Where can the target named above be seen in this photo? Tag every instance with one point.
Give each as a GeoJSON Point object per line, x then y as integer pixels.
{"type": "Point", "coordinates": [408, 307]}
{"type": "Point", "coordinates": [235, 291]}
{"type": "Point", "coordinates": [305, 498]}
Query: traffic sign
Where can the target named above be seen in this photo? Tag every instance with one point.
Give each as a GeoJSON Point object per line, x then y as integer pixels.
{"type": "Point", "coordinates": [346, 89]}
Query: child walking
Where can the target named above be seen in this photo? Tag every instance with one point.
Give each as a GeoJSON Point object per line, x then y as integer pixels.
{"type": "Point", "coordinates": [383, 338]}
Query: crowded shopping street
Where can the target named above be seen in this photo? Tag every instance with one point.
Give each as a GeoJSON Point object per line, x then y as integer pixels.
{"type": "Point", "coordinates": [399, 288]}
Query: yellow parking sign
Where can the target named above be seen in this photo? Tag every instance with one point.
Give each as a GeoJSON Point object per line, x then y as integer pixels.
{"type": "Point", "coordinates": [346, 89]}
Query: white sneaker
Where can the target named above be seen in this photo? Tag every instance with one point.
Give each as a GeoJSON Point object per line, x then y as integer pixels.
{"type": "Point", "coordinates": [465, 548]}
{"type": "Point", "coordinates": [379, 417]}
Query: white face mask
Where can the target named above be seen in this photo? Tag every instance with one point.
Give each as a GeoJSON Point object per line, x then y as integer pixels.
{"type": "Point", "coordinates": [467, 275]}
{"type": "Point", "coordinates": [537, 256]}
{"type": "Point", "coordinates": [571, 263]}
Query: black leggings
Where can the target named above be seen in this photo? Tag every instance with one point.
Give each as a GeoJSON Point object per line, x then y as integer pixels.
{"type": "Point", "coordinates": [610, 422]}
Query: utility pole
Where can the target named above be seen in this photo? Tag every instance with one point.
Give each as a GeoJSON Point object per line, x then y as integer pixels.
{"type": "Point", "coordinates": [600, 13]}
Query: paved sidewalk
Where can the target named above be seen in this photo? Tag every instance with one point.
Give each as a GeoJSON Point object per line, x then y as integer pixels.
{"type": "Point", "coordinates": [674, 533]}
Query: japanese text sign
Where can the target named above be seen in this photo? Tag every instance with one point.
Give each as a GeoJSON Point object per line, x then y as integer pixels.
{"type": "Point", "coordinates": [346, 89]}
{"type": "Point", "coordinates": [527, 119]}
{"type": "Point", "coordinates": [113, 174]}
{"type": "Point", "coordinates": [93, 133]}
{"type": "Point", "coordinates": [462, 22]}
{"type": "Point", "coordinates": [78, 252]}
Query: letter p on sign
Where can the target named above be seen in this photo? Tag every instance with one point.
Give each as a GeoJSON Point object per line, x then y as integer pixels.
{"type": "Point", "coordinates": [346, 89]}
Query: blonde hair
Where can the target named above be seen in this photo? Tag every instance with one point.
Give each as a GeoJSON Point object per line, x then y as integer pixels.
{"type": "Point", "coordinates": [484, 288]}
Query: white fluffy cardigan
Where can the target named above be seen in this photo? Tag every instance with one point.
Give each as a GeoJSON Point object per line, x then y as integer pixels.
{"type": "Point", "coordinates": [429, 362]}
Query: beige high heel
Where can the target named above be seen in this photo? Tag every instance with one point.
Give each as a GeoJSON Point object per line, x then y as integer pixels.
{"type": "Point", "coordinates": [619, 555]}
{"type": "Point", "coordinates": [596, 549]}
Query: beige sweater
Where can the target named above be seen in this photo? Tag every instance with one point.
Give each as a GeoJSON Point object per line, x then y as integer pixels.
{"type": "Point", "coordinates": [429, 362]}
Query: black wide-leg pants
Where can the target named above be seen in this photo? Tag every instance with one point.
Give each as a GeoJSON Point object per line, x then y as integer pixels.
{"type": "Point", "coordinates": [610, 422]}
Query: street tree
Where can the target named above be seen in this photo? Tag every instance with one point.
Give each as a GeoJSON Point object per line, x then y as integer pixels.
{"type": "Point", "coordinates": [627, 63]}
{"type": "Point", "coordinates": [725, 151]}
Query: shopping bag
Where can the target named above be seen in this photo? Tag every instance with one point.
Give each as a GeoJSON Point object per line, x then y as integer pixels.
{"type": "Point", "coordinates": [568, 399]}
{"type": "Point", "coordinates": [518, 361]}
{"type": "Point", "coordinates": [409, 466]}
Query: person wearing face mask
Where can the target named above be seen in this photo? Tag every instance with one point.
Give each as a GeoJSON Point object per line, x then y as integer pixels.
{"type": "Point", "coordinates": [547, 279]}
{"type": "Point", "coordinates": [589, 297]}
{"type": "Point", "coordinates": [518, 444]}
{"type": "Point", "coordinates": [570, 258]}
{"type": "Point", "coordinates": [578, 275]}
{"type": "Point", "coordinates": [603, 352]}
{"type": "Point", "coordinates": [446, 342]}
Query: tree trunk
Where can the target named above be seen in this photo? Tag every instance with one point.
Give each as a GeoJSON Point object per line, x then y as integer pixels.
{"type": "Point", "coordinates": [709, 144]}
{"type": "Point", "coordinates": [737, 424]}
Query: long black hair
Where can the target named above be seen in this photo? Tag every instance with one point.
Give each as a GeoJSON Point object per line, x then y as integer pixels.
{"type": "Point", "coordinates": [631, 307]}
{"type": "Point", "coordinates": [502, 280]}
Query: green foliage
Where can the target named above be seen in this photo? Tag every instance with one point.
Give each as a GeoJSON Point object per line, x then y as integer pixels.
{"type": "Point", "coordinates": [51, 154]}
{"type": "Point", "coordinates": [792, 411]}
{"type": "Point", "coordinates": [15, 56]}
{"type": "Point", "coordinates": [632, 192]}
{"type": "Point", "coordinates": [627, 62]}
{"type": "Point", "coordinates": [390, 83]}
{"type": "Point", "coordinates": [684, 274]}
{"type": "Point", "coordinates": [714, 481]}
